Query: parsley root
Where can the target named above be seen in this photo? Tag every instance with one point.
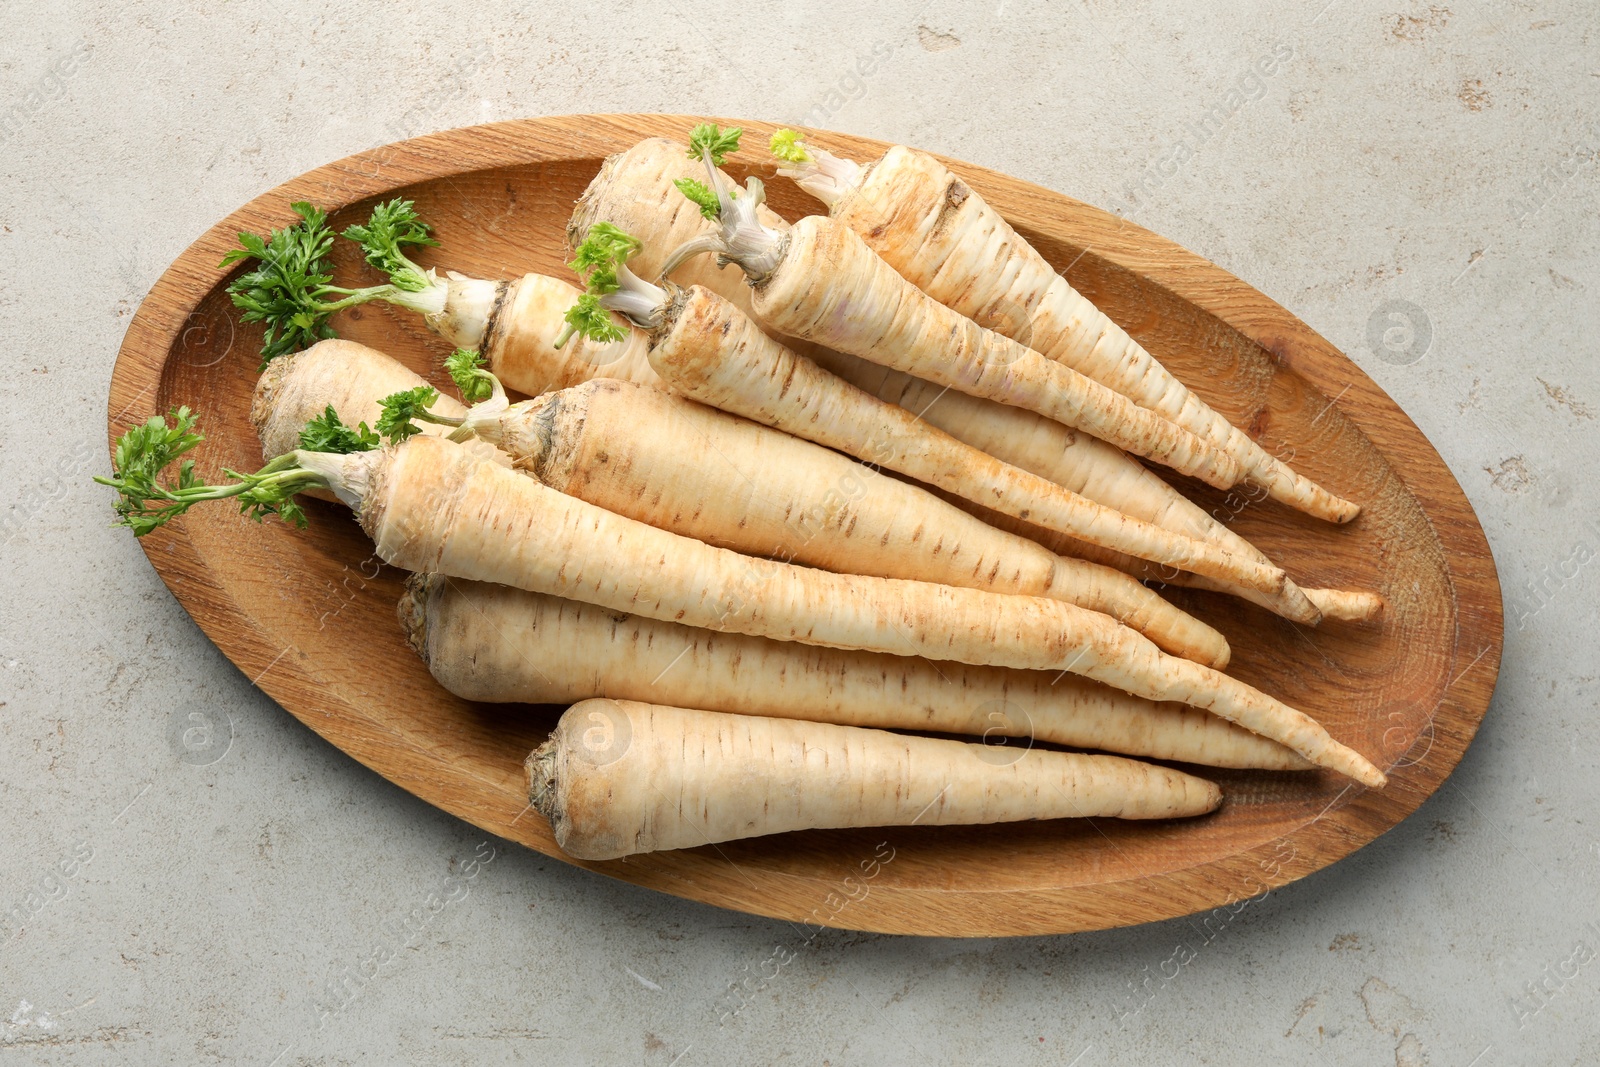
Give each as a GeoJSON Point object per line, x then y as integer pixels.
{"type": "Point", "coordinates": [494, 643]}
{"type": "Point", "coordinates": [941, 236]}
{"type": "Point", "coordinates": [618, 777]}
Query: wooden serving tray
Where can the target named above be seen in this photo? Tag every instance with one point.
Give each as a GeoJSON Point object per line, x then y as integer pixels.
{"type": "Point", "coordinates": [310, 615]}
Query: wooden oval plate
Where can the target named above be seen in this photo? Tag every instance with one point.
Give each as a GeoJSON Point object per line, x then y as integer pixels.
{"type": "Point", "coordinates": [310, 615]}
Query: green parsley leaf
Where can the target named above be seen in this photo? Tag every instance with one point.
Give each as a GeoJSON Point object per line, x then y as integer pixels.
{"type": "Point", "coordinates": [787, 146]}
{"type": "Point", "coordinates": [591, 320]}
{"type": "Point", "coordinates": [707, 136]}
{"type": "Point", "coordinates": [699, 193]}
{"type": "Point", "coordinates": [465, 367]}
{"type": "Point", "coordinates": [328, 433]}
{"type": "Point", "coordinates": [401, 409]}
{"type": "Point", "coordinates": [391, 228]}
{"type": "Point", "coordinates": [282, 291]}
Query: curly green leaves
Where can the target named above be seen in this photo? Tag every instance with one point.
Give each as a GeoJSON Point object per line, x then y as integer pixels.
{"type": "Point", "coordinates": [787, 146]}
{"type": "Point", "coordinates": [465, 367]}
{"type": "Point", "coordinates": [605, 248]}
{"type": "Point", "coordinates": [699, 194]}
{"type": "Point", "coordinates": [709, 137]}
{"type": "Point", "coordinates": [402, 410]}
{"type": "Point", "coordinates": [146, 503]}
{"type": "Point", "coordinates": [390, 229]}
{"type": "Point", "coordinates": [291, 273]}
{"type": "Point", "coordinates": [328, 433]}
{"type": "Point", "coordinates": [291, 291]}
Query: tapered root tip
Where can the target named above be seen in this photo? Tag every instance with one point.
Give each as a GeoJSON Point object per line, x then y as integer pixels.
{"type": "Point", "coordinates": [1331, 509]}
{"type": "Point", "coordinates": [1357, 766]}
{"type": "Point", "coordinates": [1304, 495]}
{"type": "Point", "coordinates": [1320, 505]}
{"type": "Point", "coordinates": [1347, 605]}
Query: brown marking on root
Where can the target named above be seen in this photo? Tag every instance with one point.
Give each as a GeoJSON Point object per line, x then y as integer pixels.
{"type": "Point", "coordinates": [955, 194]}
{"type": "Point", "coordinates": [544, 422]}
{"type": "Point", "coordinates": [413, 611]}
{"type": "Point", "coordinates": [788, 378]}
{"type": "Point", "coordinates": [494, 329]}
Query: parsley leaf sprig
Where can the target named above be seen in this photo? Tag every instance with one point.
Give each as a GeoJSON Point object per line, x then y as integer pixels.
{"type": "Point", "coordinates": [709, 137]}
{"type": "Point", "coordinates": [290, 288]}
{"type": "Point", "coordinates": [600, 261]}
{"type": "Point", "coordinates": [390, 229]}
{"type": "Point", "coordinates": [146, 503]}
{"type": "Point", "coordinates": [328, 433]}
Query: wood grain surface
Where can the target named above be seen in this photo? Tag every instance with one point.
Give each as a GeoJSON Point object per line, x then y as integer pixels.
{"type": "Point", "coordinates": [310, 615]}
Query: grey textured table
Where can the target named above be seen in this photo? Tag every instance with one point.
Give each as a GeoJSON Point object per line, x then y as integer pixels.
{"type": "Point", "coordinates": [1419, 183]}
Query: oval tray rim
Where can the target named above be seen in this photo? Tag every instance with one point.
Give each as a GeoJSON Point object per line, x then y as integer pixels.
{"type": "Point", "coordinates": [1354, 818]}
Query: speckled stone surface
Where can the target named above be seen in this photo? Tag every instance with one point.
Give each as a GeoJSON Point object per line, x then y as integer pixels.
{"type": "Point", "coordinates": [1417, 181]}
